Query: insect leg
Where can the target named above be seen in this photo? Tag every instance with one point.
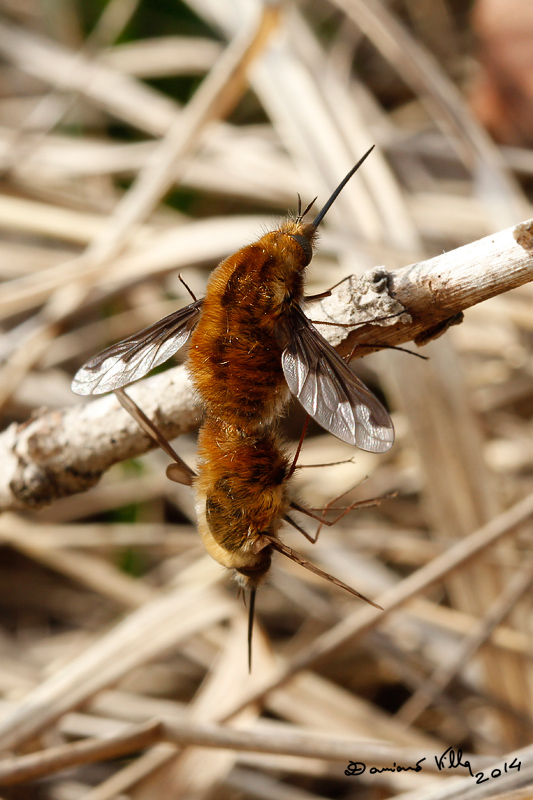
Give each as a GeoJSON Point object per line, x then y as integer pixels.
{"type": "Point", "coordinates": [251, 610]}
{"type": "Point", "coordinates": [343, 511]}
{"type": "Point", "coordinates": [326, 464]}
{"type": "Point", "coordinates": [299, 559]}
{"type": "Point", "coordinates": [355, 324]}
{"type": "Point", "coordinates": [180, 472]}
{"type": "Point", "coordinates": [299, 448]}
{"type": "Point", "coordinates": [321, 518]}
{"type": "Point", "coordinates": [294, 524]}
{"type": "Point", "coordinates": [385, 347]}
{"type": "Point", "coordinates": [180, 278]}
{"type": "Point", "coordinates": [327, 293]}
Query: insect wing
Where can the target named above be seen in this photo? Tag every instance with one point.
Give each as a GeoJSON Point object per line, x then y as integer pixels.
{"type": "Point", "coordinates": [134, 357]}
{"type": "Point", "coordinates": [329, 391]}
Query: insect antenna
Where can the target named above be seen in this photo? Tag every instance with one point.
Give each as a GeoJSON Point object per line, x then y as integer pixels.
{"type": "Point", "coordinates": [322, 213]}
{"type": "Point", "coordinates": [308, 207]}
{"type": "Point", "coordinates": [299, 559]}
{"type": "Point", "coordinates": [251, 610]}
{"type": "Point", "coordinates": [183, 473]}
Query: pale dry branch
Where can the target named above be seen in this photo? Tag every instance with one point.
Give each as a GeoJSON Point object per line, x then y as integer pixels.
{"type": "Point", "coordinates": [162, 251]}
{"type": "Point", "coordinates": [62, 452]}
{"type": "Point", "coordinates": [36, 765]}
{"type": "Point", "coordinates": [296, 742]}
{"type": "Point", "coordinates": [58, 453]}
{"type": "Point", "coordinates": [136, 771]}
{"type": "Point", "coordinates": [165, 55]}
{"type": "Point", "coordinates": [231, 162]}
{"type": "Point", "coordinates": [284, 740]}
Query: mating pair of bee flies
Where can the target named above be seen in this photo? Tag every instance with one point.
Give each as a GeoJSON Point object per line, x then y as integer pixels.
{"type": "Point", "coordinates": [251, 347]}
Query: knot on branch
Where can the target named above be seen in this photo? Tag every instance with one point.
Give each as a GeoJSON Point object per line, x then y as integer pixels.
{"type": "Point", "coordinates": [358, 300]}
{"type": "Point", "coordinates": [523, 234]}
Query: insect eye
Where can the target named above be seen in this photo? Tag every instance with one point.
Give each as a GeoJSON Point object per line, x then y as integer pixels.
{"type": "Point", "coordinates": [305, 244]}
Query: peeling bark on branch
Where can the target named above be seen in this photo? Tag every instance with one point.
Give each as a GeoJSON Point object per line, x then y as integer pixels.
{"type": "Point", "coordinates": [57, 453]}
{"type": "Point", "coordinates": [439, 289]}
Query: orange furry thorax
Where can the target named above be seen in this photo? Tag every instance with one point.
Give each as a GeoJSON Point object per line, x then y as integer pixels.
{"type": "Point", "coordinates": [235, 356]}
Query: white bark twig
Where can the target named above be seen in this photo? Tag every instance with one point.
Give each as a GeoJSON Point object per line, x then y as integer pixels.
{"type": "Point", "coordinates": [57, 453]}
{"type": "Point", "coordinates": [61, 452]}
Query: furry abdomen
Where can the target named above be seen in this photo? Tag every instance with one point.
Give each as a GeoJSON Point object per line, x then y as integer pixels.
{"type": "Point", "coordinates": [241, 492]}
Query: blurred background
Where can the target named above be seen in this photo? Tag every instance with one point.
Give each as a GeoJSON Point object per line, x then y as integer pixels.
{"type": "Point", "coordinates": [127, 155]}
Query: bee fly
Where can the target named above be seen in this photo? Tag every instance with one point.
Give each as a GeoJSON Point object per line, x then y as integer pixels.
{"type": "Point", "coordinates": [251, 345]}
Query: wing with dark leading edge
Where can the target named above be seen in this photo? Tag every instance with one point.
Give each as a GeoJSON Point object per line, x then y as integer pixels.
{"type": "Point", "coordinates": [134, 357]}
{"type": "Point", "coordinates": [329, 391]}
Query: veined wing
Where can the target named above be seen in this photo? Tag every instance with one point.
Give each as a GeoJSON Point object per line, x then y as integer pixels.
{"type": "Point", "coordinates": [330, 392]}
{"type": "Point", "coordinates": [134, 357]}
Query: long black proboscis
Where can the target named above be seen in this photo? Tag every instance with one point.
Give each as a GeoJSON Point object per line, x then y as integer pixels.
{"type": "Point", "coordinates": [251, 626]}
{"type": "Point", "coordinates": [322, 213]}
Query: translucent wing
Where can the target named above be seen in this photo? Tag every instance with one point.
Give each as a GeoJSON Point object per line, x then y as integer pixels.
{"type": "Point", "coordinates": [330, 392]}
{"type": "Point", "coordinates": [133, 357]}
